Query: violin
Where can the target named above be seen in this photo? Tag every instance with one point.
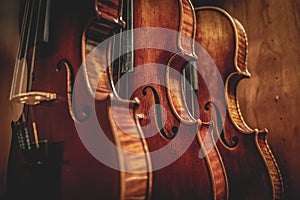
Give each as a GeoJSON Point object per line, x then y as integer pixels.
{"type": "Point", "coordinates": [39, 88]}
{"type": "Point", "coordinates": [251, 168]}
{"type": "Point", "coordinates": [147, 59]}
{"type": "Point", "coordinates": [49, 157]}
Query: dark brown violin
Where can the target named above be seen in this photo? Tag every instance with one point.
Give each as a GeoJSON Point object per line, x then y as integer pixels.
{"type": "Point", "coordinates": [147, 64]}
{"type": "Point", "coordinates": [49, 156]}
{"type": "Point", "coordinates": [251, 168]}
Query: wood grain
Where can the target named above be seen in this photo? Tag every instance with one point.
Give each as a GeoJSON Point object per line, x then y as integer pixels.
{"type": "Point", "coordinates": [269, 99]}
{"type": "Point", "coordinates": [273, 32]}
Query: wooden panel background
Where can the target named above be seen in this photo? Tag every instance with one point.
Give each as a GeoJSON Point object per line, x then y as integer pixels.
{"type": "Point", "coordinates": [268, 99]}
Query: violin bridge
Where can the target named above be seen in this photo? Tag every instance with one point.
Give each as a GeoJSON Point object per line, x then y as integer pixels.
{"type": "Point", "coordinates": [34, 98]}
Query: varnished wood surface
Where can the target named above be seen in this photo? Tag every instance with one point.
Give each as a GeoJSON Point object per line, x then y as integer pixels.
{"type": "Point", "coordinates": [172, 181]}
{"type": "Point", "coordinates": [225, 41]}
{"type": "Point", "coordinates": [273, 32]}
{"type": "Point", "coordinates": [270, 98]}
{"type": "Point", "coordinates": [75, 177]}
{"type": "Point", "coordinates": [135, 181]}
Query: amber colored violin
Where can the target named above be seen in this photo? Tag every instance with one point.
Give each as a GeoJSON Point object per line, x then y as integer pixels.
{"type": "Point", "coordinates": [251, 169]}
{"type": "Point", "coordinates": [48, 159]}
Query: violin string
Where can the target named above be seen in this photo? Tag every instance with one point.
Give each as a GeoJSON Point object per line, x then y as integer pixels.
{"type": "Point", "coordinates": [24, 25]}
{"type": "Point", "coordinates": [34, 127]}
{"type": "Point", "coordinates": [132, 33]}
{"type": "Point", "coordinates": [125, 52]}
{"type": "Point", "coordinates": [34, 47]}
{"type": "Point", "coordinates": [19, 52]}
{"type": "Point", "coordinates": [128, 24]}
{"type": "Point", "coordinates": [119, 45]}
{"type": "Point", "coordinates": [184, 78]}
{"type": "Point", "coordinates": [119, 59]}
{"type": "Point", "coordinates": [27, 43]}
{"type": "Point", "coordinates": [125, 49]}
{"type": "Point", "coordinates": [192, 88]}
{"type": "Point", "coordinates": [131, 39]}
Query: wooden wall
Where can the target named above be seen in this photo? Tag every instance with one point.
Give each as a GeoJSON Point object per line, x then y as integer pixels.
{"type": "Point", "coordinates": [270, 98]}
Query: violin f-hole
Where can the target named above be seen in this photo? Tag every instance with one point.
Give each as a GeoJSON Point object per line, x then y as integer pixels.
{"type": "Point", "coordinates": [70, 82]}
{"type": "Point", "coordinates": [158, 118]}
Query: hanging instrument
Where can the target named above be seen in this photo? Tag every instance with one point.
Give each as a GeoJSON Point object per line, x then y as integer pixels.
{"type": "Point", "coordinates": [222, 43]}
{"type": "Point", "coordinates": [163, 43]}
{"type": "Point", "coordinates": [48, 157]}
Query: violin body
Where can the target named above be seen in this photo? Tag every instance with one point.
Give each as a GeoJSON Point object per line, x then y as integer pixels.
{"type": "Point", "coordinates": [60, 165]}
{"type": "Point", "coordinates": [251, 168]}
{"type": "Point", "coordinates": [25, 177]}
{"type": "Point", "coordinates": [173, 136]}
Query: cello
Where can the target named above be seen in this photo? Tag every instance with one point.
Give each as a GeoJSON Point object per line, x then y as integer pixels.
{"type": "Point", "coordinates": [147, 63]}
{"type": "Point", "coordinates": [48, 159]}
{"type": "Point", "coordinates": [251, 168]}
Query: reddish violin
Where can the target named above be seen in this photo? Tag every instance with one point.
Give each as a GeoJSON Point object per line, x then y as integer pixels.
{"type": "Point", "coordinates": [49, 159]}
{"type": "Point", "coordinates": [251, 168]}
{"type": "Point", "coordinates": [162, 43]}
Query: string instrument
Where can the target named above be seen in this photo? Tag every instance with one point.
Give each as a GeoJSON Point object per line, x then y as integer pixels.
{"type": "Point", "coordinates": [147, 64]}
{"type": "Point", "coordinates": [251, 168]}
{"type": "Point", "coordinates": [48, 158]}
